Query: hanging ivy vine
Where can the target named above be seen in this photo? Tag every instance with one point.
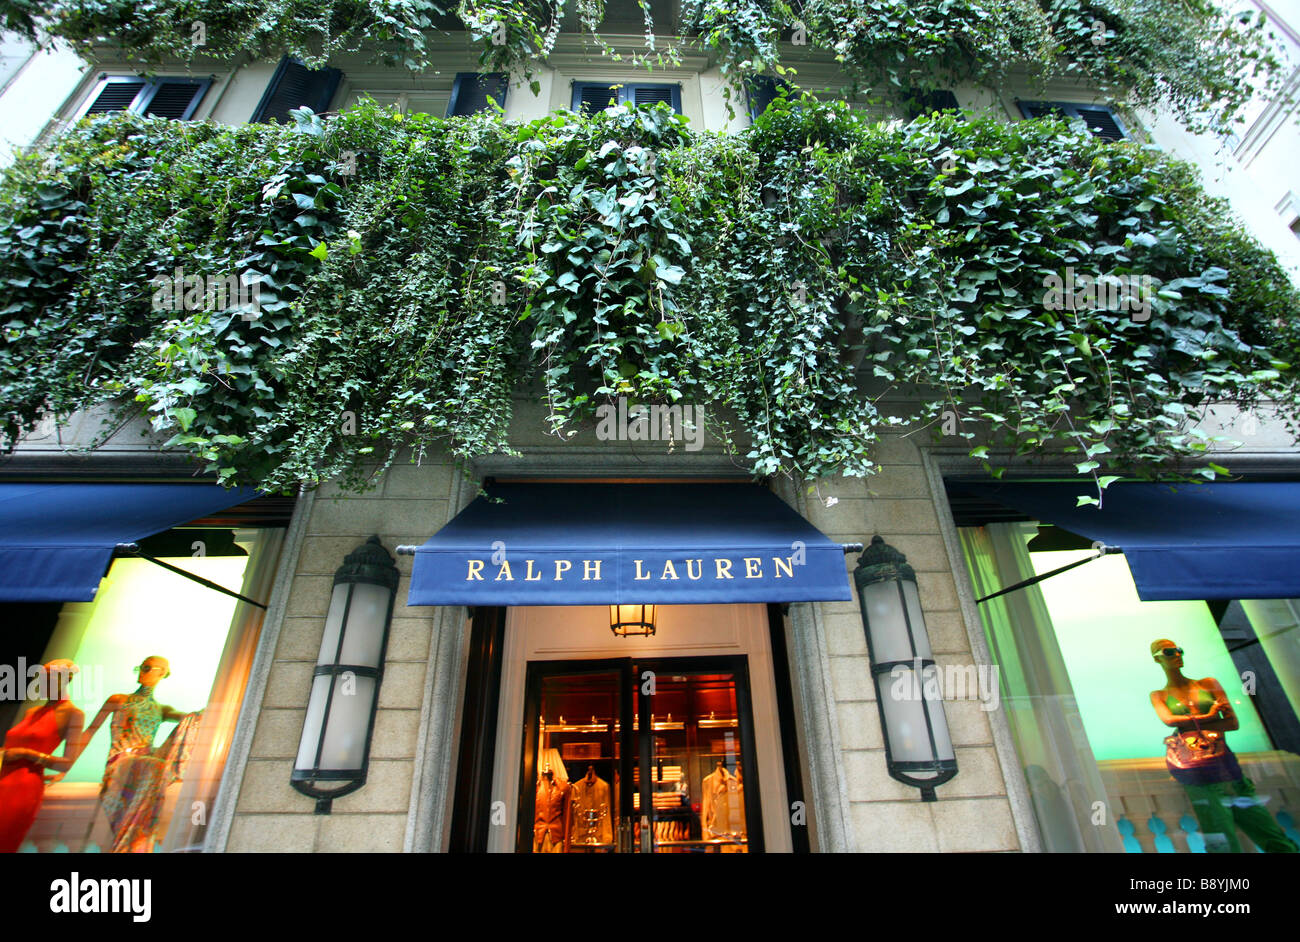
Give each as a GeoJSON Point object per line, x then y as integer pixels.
{"type": "Point", "coordinates": [416, 273]}
{"type": "Point", "coordinates": [1187, 54]}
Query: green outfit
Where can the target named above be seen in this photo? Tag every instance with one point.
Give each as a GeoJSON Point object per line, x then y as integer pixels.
{"type": "Point", "coordinates": [1204, 700]}
{"type": "Point", "coordinates": [1222, 807]}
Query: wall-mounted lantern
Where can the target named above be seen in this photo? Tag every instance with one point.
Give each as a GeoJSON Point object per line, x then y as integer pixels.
{"type": "Point", "coordinates": [334, 752]}
{"type": "Point", "coordinates": [627, 620]}
{"type": "Point", "coordinates": [918, 748]}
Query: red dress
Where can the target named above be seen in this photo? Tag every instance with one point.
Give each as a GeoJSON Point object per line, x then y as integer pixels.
{"type": "Point", "coordinates": [22, 783]}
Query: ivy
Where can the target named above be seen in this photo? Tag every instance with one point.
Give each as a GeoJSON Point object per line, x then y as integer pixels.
{"type": "Point", "coordinates": [415, 274]}
{"type": "Point", "coordinates": [1186, 54]}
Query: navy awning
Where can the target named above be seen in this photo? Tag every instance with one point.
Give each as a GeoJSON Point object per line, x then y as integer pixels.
{"type": "Point", "coordinates": [1185, 541]}
{"type": "Point", "coordinates": [588, 544]}
{"type": "Point", "coordinates": [56, 540]}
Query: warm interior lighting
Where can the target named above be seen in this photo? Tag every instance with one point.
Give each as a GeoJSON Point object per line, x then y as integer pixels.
{"type": "Point", "coordinates": [627, 620]}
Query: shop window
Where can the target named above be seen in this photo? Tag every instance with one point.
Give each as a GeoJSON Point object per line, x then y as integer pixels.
{"type": "Point", "coordinates": [1102, 122]}
{"type": "Point", "coordinates": [154, 98]}
{"type": "Point", "coordinates": [1089, 702]}
{"type": "Point", "coordinates": [472, 93]}
{"type": "Point", "coordinates": [165, 660]}
{"type": "Point", "coordinates": [295, 86]}
{"type": "Point", "coordinates": [593, 97]}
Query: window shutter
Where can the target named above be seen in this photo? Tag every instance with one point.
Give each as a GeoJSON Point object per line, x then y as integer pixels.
{"type": "Point", "coordinates": [1102, 122]}
{"type": "Point", "coordinates": [116, 94]}
{"type": "Point", "coordinates": [671, 95]}
{"type": "Point", "coordinates": [174, 98]}
{"type": "Point", "coordinates": [294, 86]}
{"type": "Point", "coordinates": [470, 93]}
{"type": "Point", "coordinates": [922, 103]}
{"type": "Point", "coordinates": [652, 95]}
{"type": "Point", "coordinates": [593, 97]}
{"type": "Point", "coordinates": [762, 90]}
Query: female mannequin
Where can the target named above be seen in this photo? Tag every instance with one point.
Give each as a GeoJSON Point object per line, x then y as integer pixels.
{"type": "Point", "coordinates": [1222, 797]}
{"type": "Point", "coordinates": [136, 774]}
{"type": "Point", "coordinates": [27, 754]}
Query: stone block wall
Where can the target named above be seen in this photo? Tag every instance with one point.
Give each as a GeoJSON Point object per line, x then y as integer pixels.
{"type": "Point", "coordinates": [973, 812]}
{"type": "Point", "coordinates": [410, 504]}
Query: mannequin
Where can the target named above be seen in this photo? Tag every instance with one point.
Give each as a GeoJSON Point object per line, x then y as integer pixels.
{"type": "Point", "coordinates": [591, 818]}
{"type": "Point", "coordinates": [27, 754]}
{"type": "Point", "coordinates": [136, 774]}
{"type": "Point", "coordinates": [717, 803]}
{"type": "Point", "coordinates": [553, 807]}
{"type": "Point", "coordinates": [1222, 797]}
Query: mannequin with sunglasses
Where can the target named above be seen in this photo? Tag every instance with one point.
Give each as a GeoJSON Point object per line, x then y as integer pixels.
{"type": "Point", "coordinates": [136, 774]}
{"type": "Point", "coordinates": [1221, 796]}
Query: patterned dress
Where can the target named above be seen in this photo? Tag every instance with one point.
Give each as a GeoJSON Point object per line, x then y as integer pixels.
{"type": "Point", "coordinates": [137, 775]}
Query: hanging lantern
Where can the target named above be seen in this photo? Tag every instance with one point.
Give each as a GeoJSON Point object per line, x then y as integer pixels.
{"type": "Point", "coordinates": [627, 620]}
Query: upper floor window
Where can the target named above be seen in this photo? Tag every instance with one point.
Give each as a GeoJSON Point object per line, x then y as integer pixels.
{"type": "Point", "coordinates": [1102, 122]}
{"type": "Point", "coordinates": [295, 86]}
{"type": "Point", "coordinates": [471, 91]}
{"type": "Point", "coordinates": [762, 90]}
{"type": "Point", "coordinates": [920, 103]}
{"type": "Point", "coordinates": [593, 97]}
{"type": "Point", "coordinates": [152, 97]}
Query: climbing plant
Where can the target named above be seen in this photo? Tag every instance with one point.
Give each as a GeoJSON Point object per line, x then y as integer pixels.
{"type": "Point", "coordinates": [1187, 54]}
{"type": "Point", "coordinates": [414, 275]}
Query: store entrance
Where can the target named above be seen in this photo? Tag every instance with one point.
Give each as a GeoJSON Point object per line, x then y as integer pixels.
{"type": "Point", "coordinates": [639, 756]}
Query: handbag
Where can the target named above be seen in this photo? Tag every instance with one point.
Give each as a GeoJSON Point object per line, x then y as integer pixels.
{"type": "Point", "coordinates": [1201, 758]}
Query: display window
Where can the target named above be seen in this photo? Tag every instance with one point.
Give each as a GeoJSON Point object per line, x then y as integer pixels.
{"type": "Point", "coordinates": [161, 663]}
{"type": "Point", "coordinates": [1141, 726]}
{"type": "Point", "coordinates": [652, 756]}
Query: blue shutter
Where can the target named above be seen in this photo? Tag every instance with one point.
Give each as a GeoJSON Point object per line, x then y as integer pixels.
{"type": "Point", "coordinates": [594, 97]}
{"type": "Point", "coordinates": [647, 94]}
{"type": "Point", "coordinates": [174, 98]}
{"type": "Point", "coordinates": [470, 92]}
{"type": "Point", "coordinates": [295, 86]}
{"type": "Point", "coordinates": [116, 93]}
{"type": "Point", "coordinates": [155, 98]}
{"type": "Point", "coordinates": [1102, 122]}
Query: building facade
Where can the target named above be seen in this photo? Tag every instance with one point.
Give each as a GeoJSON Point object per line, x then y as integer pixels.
{"type": "Point", "coordinates": [751, 719]}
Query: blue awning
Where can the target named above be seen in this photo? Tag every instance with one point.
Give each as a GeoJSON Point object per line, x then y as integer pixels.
{"type": "Point", "coordinates": [589, 544]}
{"type": "Point", "coordinates": [1186, 541]}
{"type": "Point", "coordinates": [56, 540]}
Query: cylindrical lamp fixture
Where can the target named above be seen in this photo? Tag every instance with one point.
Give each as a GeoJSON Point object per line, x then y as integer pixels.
{"type": "Point", "coordinates": [334, 752]}
{"type": "Point", "coordinates": [918, 748]}
{"type": "Point", "coordinates": [627, 620]}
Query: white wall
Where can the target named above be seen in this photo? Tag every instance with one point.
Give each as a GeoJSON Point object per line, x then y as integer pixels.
{"type": "Point", "coordinates": [38, 86]}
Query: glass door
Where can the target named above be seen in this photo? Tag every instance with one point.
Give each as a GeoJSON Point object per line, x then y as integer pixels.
{"type": "Point", "coordinates": [577, 757]}
{"type": "Point", "coordinates": [655, 756]}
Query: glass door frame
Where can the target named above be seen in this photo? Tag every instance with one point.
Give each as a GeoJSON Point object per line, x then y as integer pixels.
{"type": "Point", "coordinates": [636, 745]}
{"type": "Point", "coordinates": [738, 666]}
{"type": "Point", "coordinates": [537, 671]}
